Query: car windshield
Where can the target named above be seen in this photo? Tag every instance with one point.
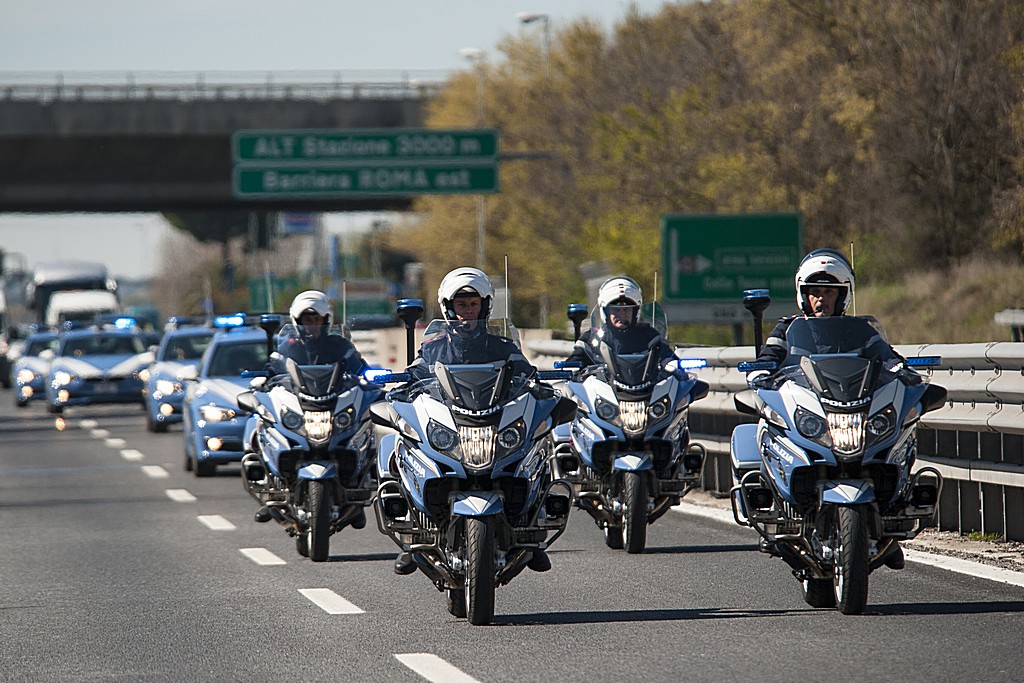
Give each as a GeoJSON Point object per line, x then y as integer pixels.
{"type": "Point", "coordinates": [35, 346]}
{"type": "Point", "coordinates": [186, 347]}
{"type": "Point", "coordinates": [231, 359]}
{"type": "Point", "coordinates": [103, 345]}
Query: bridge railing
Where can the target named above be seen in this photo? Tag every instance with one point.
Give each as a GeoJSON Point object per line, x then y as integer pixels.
{"type": "Point", "coordinates": [218, 85]}
{"type": "Point", "coordinates": [976, 440]}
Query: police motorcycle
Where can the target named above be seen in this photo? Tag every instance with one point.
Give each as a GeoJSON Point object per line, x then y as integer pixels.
{"type": "Point", "coordinates": [311, 446]}
{"type": "Point", "coordinates": [465, 485]}
{"type": "Point", "coordinates": [825, 475]}
{"type": "Point", "coordinates": [628, 452]}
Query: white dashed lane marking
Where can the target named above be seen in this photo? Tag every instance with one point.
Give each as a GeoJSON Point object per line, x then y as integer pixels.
{"type": "Point", "coordinates": [155, 471]}
{"type": "Point", "coordinates": [180, 496]}
{"type": "Point", "coordinates": [100, 433]}
{"type": "Point", "coordinates": [262, 556]}
{"type": "Point", "coordinates": [329, 601]}
{"type": "Point", "coordinates": [114, 442]}
{"type": "Point", "coordinates": [88, 424]}
{"type": "Point", "coordinates": [216, 523]}
{"type": "Point", "coordinates": [132, 454]}
{"type": "Point", "coordinates": [434, 669]}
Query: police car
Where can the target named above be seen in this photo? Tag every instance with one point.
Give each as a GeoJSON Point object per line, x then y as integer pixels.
{"type": "Point", "coordinates": [163, 391]}
{"type": "Point", "coordinates": [98, 364]}
{"type": "Point", "coordinates": [30, 368]}
{"type": "Point", "coordinates": [213, 424]}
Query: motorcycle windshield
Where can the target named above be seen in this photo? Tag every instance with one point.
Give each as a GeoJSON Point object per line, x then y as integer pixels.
{"type": "Point", "coordinates": [320, 382]}
{"type": "Point", "coordinates": [465, 333]}
{"type": "Point", "coordinates": [475, 388]}
{"type": "Point", "coordinates": [631, 371]}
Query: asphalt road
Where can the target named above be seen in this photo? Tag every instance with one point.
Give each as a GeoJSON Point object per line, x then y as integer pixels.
{"type": "Point", "coordinates": [117, 565]}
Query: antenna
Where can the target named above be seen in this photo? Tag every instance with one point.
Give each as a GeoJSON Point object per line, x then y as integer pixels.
{"type": "Point", "coordinates": [507, 290]}
{"type": "Point", "coordinates": [853, 290]}
{"type": "Point", "coordinates": [654, 299]}
{"type": "Point", "coordinates": [344, 303]}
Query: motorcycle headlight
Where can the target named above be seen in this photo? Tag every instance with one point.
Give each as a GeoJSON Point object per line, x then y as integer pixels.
{"type": "Point", "coordinates": [343, 420]}
{"type": "Point", "coordinates": [658, 410]}
{"type": "Point", "coordinates": [62, 378]}
{"type": "Point", "coordinates": [166, 386]}
{"type": "Point", "coordinates": [810, 425]}
{"type": "Point", "coordinates": [25, 375]}
{"type": "Point", "coordinates": [213, 413]}
{"type": "Point", "coordinates": [606, 411]}
{"type": "Point", "coordinates": [477, 446]}
{"type": "Point", "coordinates": [847, 432]}
{"type": "Point", "coordinates": [292, 421]}
{"type": "Point", "coordinates": [881, 423]}
{"type": "Point", "coordinates": [511, 437]}
{"type": "Point", "coordinates": [441, 438]}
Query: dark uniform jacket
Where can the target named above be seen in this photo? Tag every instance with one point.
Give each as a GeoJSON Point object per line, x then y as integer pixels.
{"type": "Point", "coordinates": [632, 339]}
{"type": "Point", "coordinates": [323, 350]}
{"type": "Point", "coordinates": [456, 349]}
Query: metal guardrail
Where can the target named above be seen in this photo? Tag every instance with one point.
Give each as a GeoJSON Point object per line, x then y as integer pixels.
{"type": "Point", "coordinates": [317, 86]}
{"type": "Point", "coordinates": [975, 440]}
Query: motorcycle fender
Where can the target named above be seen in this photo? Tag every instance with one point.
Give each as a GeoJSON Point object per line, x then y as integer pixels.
{"type": "Point", "coordinates": [847, 492]}
{"type": "Point", "coordinates": [633, 462]}
{"type": "Point", "coordinates": [477, 504]}
{"type": "Point", "coordinates": [316, 470]}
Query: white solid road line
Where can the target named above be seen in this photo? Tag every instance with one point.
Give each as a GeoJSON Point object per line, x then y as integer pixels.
{"type": "Point", "coordinates": [180, 496]}
{"type": "Point", "coordinates": [155, 471]}
{"type": "Point", "coordinates": [114, 442]}
{"type": "Point", "coordinates": [216, 523]}
{"type": "Point", "coordinates": [953, 564]}
{"type": "Point", "coordinates": [261, 556]}
{"type": "Point", "coordinates": [434, 669]}
{"type": "Point", "coordinates": [329, 601]}
{"type": "Point", "coordinates": [132, 454]}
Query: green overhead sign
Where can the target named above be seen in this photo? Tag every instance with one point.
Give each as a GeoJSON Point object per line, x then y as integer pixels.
{"type": "Point", "coordinates": [360, 162]}
{"type": "Point", "coordinates": [710, 259]}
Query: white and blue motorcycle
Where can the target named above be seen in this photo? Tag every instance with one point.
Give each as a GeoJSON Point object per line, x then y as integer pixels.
{"type": "Point", "coordinates": [465, 486]}
{"type": "Point", "coordinates": [311, 449]}
{"type": "Point", "coordinates": [825, 475]}
{"type": "Point", "coordinates": [628, 452]}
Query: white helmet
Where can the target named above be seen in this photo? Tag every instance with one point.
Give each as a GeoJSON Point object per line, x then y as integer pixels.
{"type": "Point", "coordinates": [824, 267]}
{"type": "Point", "coordinates": [310, 300]}
{"type": "Point", "coordinates": [620, 290]}
{"type": "Point", "coordinates": [468, 282]}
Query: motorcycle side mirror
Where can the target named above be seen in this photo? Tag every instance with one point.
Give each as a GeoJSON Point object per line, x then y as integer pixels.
{"type": "Point", "coordinates": [577, 313]}
{"type": "Point", "coordinates": [564, 412]}
{"type": "Point", "coordinates": [699, 391]}
{"type": "Point", "coordinates": [380, 415]}
{"type": "Point", "coordinates": [757, 301]}
{"type": "Point", "coordinates": [409, 311]}
{"type": "Point", "coordinates": [746, 402]}
{"type": "Point", "coordinates": [247, 401]}
{"type": "Point", "coordinates": [934, 397]}
{"type": "Point", "coordinates": [270, 323]}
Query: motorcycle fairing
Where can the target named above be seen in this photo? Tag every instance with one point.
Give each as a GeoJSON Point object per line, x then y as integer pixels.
{"type": "Point", "coordinates": [385, 448]}
{"type": "Point", "coordinates": [476, 504]}
{"type": "Point", "coordinates": [317, 470]}
{"type": "Point", "coordinates": [847, 492]}
{"type": "Point", "coordinates": [633, 462]}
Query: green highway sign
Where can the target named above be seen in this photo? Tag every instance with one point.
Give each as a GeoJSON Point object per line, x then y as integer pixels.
{"type": "Point", "coordinates": [334, 180]}
{"type": "Point", "coordinates": [364, 145]}
{"type": "Point", "coordinates": [709, 259]}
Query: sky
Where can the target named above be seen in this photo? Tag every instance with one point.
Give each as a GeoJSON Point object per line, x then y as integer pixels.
{"type": "Point", "coordinates": [138, 36]}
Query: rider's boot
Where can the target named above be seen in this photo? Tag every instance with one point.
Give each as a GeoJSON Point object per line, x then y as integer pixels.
{"type": "Point", "coordinates": [359, 521]}
{"type": "Point", "coordinates": [540, 562]}
{"type": "Point", "coordinates": [262, 515]}
{"type": "Point", "coordinates": [404, 564]}
{"type": "Point", "coordinates": [895, 558]}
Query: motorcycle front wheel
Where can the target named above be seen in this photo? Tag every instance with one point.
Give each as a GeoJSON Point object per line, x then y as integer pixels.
{"type": "Point", "coordinates": [850, 549]}
{"type": "Point", "coordinates": [318, 500]}
{"type": "Point", "coordinates": [479, 589]}
{"type": "Point", "coordinates": [634, 518]}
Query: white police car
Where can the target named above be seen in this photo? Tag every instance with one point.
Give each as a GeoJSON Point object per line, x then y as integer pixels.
{"type": "Point", "coordinates": [98, 364]}
{"type": "Point", "coordinates": [30, 369]}
{"type": "Point", "coordinates": [213, 424]}
{"type": "Point", "coordinates": [163, 391]}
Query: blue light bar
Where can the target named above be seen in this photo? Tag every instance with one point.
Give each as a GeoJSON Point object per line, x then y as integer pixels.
{"type": "Point", "coordinates": [756, 294]}
{"type": "Point", "coordinates": [551, 375]}
{"type": "Point", "coordinates": [691, 363]}
{"type": "Point", "coordinates": [125, 323]}
{"type": "Point", "coordinates": [750, 366]}
{"type": "Point", "coordinates": [372, 374]}
{"type": "Point", "coordinates": [235, 320]}
{"type": "Point", "coordinates": [562, 364]}
{"type": "Point", "coordinates": [924, 361]}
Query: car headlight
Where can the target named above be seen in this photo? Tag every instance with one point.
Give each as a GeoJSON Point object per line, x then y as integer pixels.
{"type": "Point", "coordinates": [144, 376]}
{"type": "Point", "coordinates": [810, 425]}
{"type": "Point", "coordinates": [292, 421]}
{"type": "Point", "coordinates": [166, 386]}
{"type": "Point", "coordinates": [213, 413]}
{"type": "Point", "coordinates": [25, 375]}
{"type": "Point", "coordinates": [606, 410]}
{"type": "Point", "coordinates": [343, 420]}
{"type": "Point", "coordinates": [440, 437]}
{"type": "Point", "coordinates": [62, 378]}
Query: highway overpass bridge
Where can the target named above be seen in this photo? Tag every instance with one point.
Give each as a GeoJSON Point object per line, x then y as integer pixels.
{"type": "Point", "coordinates": [162, 141]}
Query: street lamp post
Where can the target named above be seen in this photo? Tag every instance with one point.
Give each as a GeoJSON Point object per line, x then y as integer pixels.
{"type": "Point", "coordinates": [529, 18]}
{"type": "Point", "coordinates": [477, 56]}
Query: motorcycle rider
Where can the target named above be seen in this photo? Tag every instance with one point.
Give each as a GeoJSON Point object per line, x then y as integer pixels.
{"type": "Point", "coordinates": [824, 287]}
{"type": "Point", "coordinates": [310, 313]}
{"type": "Point", "coordinates": [466, 298]}
{"type": "Point", "coordinates": [619, 300]}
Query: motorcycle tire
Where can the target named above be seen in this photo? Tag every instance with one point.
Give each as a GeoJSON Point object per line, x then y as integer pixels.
{"type": "Point", "coordinates": [818, 592]}
{"type": "Point", "coordinates": [318, 498]}
{"type": "Point", "coordinates": [457, 602]}
{"type": "Point", "coordinates": [479, 590]}
{"type": "Point", "coordinates": [850, 579]}
{"type": "Point", "coordinates": [634, 518]}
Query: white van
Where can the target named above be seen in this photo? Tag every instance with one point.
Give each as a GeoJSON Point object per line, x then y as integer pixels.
{"type": "Point", "coordinates": [79, 306]}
